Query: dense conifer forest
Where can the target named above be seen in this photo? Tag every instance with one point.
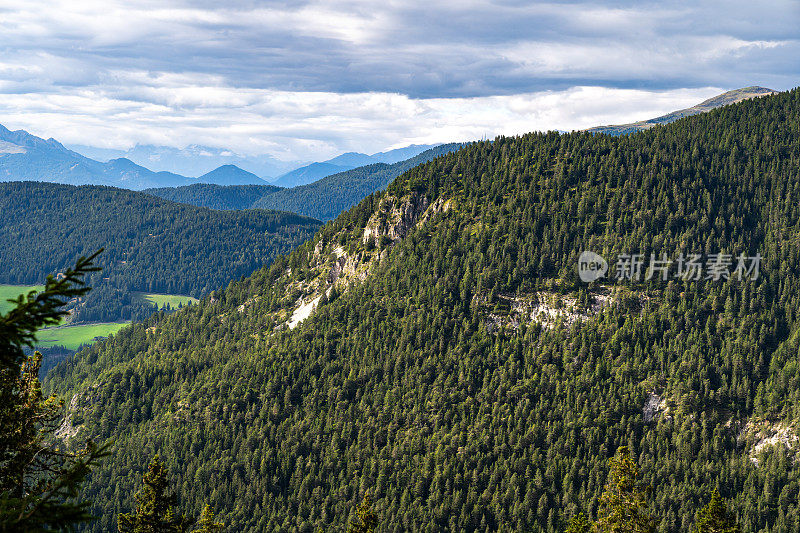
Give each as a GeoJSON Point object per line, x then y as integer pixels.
{"type": "Point", "coordinates": [224, 197]}
{"type": "Point", "coordinates": [150, 244]}
{"type": "Point", "coordinates": [423, 379]}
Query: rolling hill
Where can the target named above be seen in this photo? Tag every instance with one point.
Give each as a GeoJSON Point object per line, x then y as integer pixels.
{"type": "Point", "coordinates": [215, 196]}
{"type": "Point", "coordinates": [435, 347]}
{"type": "Point", "coordinates": [151, 245]}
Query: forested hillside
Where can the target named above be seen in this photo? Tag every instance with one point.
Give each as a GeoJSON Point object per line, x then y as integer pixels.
{"type": "Point", "coordinates": [323, 199]}
{"type": "Point", "coordinates": [223, 197]}
{"type": "Point", "coordinates": [453, 365]}
{"type": "Point", "coordinates": [151, 245]}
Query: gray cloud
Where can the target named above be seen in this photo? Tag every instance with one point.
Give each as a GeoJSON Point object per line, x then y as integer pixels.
{"type": "Point", "coordinates": [295, 77]}
{"type": "Point", "coordinates": [421, 49]}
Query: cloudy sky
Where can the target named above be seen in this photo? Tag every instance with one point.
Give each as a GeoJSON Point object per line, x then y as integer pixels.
{"type": "Point", "coordinates": [309, 80]}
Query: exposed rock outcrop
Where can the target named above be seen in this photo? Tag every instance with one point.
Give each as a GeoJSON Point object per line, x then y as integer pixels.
{"type": "Point", "coordinates": [761, 435]}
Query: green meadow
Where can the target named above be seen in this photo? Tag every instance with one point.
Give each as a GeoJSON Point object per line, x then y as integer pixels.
{"type": "Point", "coordinates": [13, 291]}
{"type": "Point", "coordinates": [71, 337]}
{"type": "Point", "coordinates": [160, 300]}
{"type": "Point", "coordinates": [68, 336]}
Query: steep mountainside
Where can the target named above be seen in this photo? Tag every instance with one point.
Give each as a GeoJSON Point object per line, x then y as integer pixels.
{"type": "Point", "coordinates": [151, 245]}
{"type": "Point", "coordinates": [434, 346]}
{"type": "Point", "coordinates": [727, 98]}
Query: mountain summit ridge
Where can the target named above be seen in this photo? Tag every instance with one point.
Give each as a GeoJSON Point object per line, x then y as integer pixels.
{"type": "Point", "coordinates": [26, 157]}
{"type": "Point", "coordinates": [720, 100]}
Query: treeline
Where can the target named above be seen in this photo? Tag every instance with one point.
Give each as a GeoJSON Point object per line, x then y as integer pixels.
{"type": "Point", "coordinates": [150, 245]}
{"type": "Point", "coordinates": [403, 387]}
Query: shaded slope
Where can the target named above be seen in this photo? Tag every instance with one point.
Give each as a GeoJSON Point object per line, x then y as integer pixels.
{"type": "Point", "coordinates": [326, 198]}
{"type": "Point", "coordinates": [323, 199]}
{"type": "Point", "coordinates": [309, 174]}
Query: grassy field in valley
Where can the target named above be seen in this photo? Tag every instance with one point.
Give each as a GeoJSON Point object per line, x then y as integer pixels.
{"type": "Point", "coordinates": [71, 337]}
{"type": "Point", "coordinates": [12, 291]}
{"type": "Point", "coordinates": [159, 300]}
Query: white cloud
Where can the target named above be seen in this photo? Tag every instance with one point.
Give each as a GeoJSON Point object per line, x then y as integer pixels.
{"type": "Point", "coordinates": [299, 125]}
{"type": "Point", "coordinates": [331, 75]}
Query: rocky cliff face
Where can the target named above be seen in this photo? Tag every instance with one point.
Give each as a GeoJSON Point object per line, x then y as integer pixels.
{"type": "Point", "coordinates": [337, 262]}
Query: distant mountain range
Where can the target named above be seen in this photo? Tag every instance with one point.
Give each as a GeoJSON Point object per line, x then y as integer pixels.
{"type": "Point", "coordinates": [25, 157]}
{"type": "Point", "coordinates": [347, 161]}
{"type": "Point", "coordinates": [730, 97]}
{"type": "Point", "coordinates": [230, 175]}
{"type": "Point", "coordinates": [193, 160]}
{"type": "Point", "coordinates": [197, 160]}
{"type": "Point", "coordinates": [324, 199]}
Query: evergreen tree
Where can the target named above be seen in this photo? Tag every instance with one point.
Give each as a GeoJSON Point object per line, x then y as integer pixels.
{"type": "Point", "coordinates": [714, 517]}
{"type": "Point", "coordinates": [623, 504]}
{"type": "Point", "coordinates": [207, 524]}
{"type": "Point", "coordinates": [39, 478]}
{"type": "Point", "coordinates": [366, 520]}
{"type": "Point", "coordinates": [156, 509]}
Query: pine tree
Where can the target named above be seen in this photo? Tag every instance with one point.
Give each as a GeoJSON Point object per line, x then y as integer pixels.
{"type": "Point", "coordinates": [39, 478]}
{"type": "Point", "coordinates": [156, 509]}
{"type": "Point", "coordinates": [366, 519]}
{"type": "Point", "coordinates": [714, 517]}
{"type": "Point", "coordinates": [207, 524]}
{"type": "Point", "coordinates": [623, 504]}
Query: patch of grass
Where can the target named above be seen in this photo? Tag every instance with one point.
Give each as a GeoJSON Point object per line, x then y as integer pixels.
{"type": "Point", "coordinates": [159, 300]}
{"type": "Point", "coordinates": [71, 337]}
{"type": "Point", "coordinates": [12, 291]}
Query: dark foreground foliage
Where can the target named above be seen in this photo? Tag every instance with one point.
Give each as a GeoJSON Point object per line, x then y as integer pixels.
{"type": "Point", "coordinates": [40, 478]}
